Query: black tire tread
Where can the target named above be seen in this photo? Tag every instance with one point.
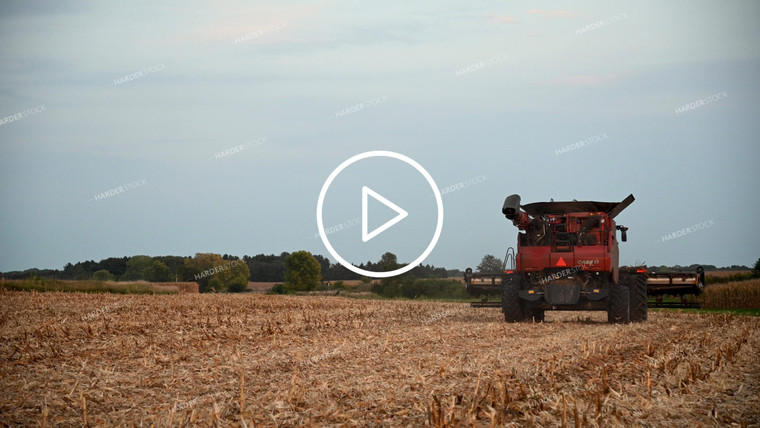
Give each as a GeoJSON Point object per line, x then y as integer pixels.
{"type": "Point", "coordinates": [618, 307]}
{"type": "Point", "coordinates": [637, 289]}
{"type": "Point", "coordinates": [511, 304]}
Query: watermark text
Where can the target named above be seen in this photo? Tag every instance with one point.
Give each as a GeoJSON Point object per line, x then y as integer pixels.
{"type": "Point", "coordinates": [138, 74]}
{"type": "Point", "coordinates": [22, 114]}
{"type": "Point", "coordinates": [98, 312]}
{"type": "Point", "coordinates": [240, 148]}
{"type": "Point", "coordinates": [582, 143]}
{"type": "Point", "coordinates": [701, 102]}
{"type": "Point", "coordinates": [480, 65]}
{"type": "Point", "coordinates": [601, 23]}
{"type": "Point", "coordinates": [216, 269]}
{"type": "Point", "coordinates": [341, 226]}
{"type": "Point", "coordinates": [438, 316]}
{"type": "Point", "coordinates": [463, 184]}
{"type": "Point", "coordinates": [194, 401]}
{"type": "Point", "coordinates": [561, 274]}
{"type": "Point", "coordinates": [361, 106]}
{"type": "Point", "coordinates": [687, 230]}
{"type": "Point", "coordinates": [258, 33]}
{"type": "Point", "coordinates": [120, 189]}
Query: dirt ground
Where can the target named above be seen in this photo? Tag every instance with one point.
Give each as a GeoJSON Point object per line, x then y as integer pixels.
{"type": "Point", "coordinates": [71, 359]}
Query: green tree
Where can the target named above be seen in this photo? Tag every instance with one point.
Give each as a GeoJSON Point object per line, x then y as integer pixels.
{"type": "Point", "coordinates": [159, 272]}
{"type": "Point", "coordinates": [391, 286]}
{"type": "Point", "coordinates": [490, 264]}
{"type": "Point", "coordinates": [388, 262]}
{"type": "Point", "coordinates": [209, 270]}
{"type": "Point", "coordinates": [75, 272]}
{"type": "Point", "coordinates": [302, 271]}
{"type": "Point", "coordinates": [116, 265]}
{"type": "Point", "coordinates": [138, 268]}
{"type": "Point", "coordinates": [102, 275]}
{"type": "Point", "coordinates": [234, 276]}
{"type": "Point", "coordinates": [756, 270]}
{"type": "Point", "coordinates": [172, 262]}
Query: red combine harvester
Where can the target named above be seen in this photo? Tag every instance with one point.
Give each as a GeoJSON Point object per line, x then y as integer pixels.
{"type": "Point", "coordinates": [567, 260]}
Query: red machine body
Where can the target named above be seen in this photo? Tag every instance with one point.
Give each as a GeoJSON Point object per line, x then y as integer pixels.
{"type": "Point", "coordinates": [600, 254]}
{"type": "Point", "coordinates": [567, 259]}
{"type": "Point", "coordinates": [561, 235]}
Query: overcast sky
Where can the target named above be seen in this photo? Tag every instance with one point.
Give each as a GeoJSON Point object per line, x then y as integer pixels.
{"type": "Point", "coordinates": [147, 96]}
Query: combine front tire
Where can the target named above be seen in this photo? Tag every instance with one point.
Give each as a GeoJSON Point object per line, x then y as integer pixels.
{"type": "Point", "coordinates": [618, 305]}
{"type": "Point", "coordinates": [637, 290]}
{"type": "Point", "coordinates": [511, 304]}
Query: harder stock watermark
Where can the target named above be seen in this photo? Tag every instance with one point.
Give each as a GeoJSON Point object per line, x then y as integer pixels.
{"type": "Point", "coordinates": [602, 23]}
{"type": "Point", "coordinates": [463, 184]}
{"type": "Point", "coordinates": [701, 102]}
{"type": "Point", "coordinates": [317, 358]}
{"type": "Point", "coordinates": [121, 189]}
{"type": "Point", "coordinates": [439, 316]}
{"type": "Point", "coordinates": [139, 74]}
{"type": "Point", "coordinates": [98, 312]}
{"type": "Point", "coordinates": [480, 65]}
{"type": "Point", "coordinates": [22, 114]}
{"type": "Point", "coordinates": [341, 226]}
{"type": "Point", "coordinates": [560, 274]}
{"type": "Point", "coordinates": [582, 143]}
{"type": "Point", "coordinates": [687, 230]}
{"type": "Point", "coordinates": [361, 106]}
{"type": "Point", "coordinates": [217, 269]}
{"type": "Point", "coordinates": [240, 148]}
{"type": "Point", "coordinates": [193, 402]}
{"type": "Point", "coordinates": [258, 33]}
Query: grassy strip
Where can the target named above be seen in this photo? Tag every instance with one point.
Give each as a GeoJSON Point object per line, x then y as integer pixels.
{"type": "Point", "coordinates": [38, 284]}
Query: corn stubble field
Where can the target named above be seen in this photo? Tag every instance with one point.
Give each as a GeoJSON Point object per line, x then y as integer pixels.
{"type": "Point", "coordinates": [244, 360]}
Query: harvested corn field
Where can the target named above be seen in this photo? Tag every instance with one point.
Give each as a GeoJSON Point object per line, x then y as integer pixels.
{"type": "Point", "coordinates": [245, 360]}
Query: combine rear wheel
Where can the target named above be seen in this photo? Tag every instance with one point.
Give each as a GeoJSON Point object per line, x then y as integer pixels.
{"type": "Point", "coordinates": [511, 304]}
{"type": "Point", "coordinates": [637, 290]}
{"type": "Point", "coordinates": [618, 305]}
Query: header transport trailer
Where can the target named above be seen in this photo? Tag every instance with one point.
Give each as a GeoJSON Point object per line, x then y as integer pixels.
{"type": "Point", "coordinates": [678, 285]}
{"type": "Point", "coordinates": [662, 288]}
{"type": "Point", "coordinates": [567, 259]}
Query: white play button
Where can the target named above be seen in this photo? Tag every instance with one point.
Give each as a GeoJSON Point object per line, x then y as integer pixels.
{"type": "Point", "coordinates": [401, 242]}
{"type": "Point", "coordinates": [401, 214]}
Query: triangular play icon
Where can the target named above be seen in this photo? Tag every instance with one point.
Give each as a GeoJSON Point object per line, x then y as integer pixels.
{"type": "Point", "coordinates": [366, 236]}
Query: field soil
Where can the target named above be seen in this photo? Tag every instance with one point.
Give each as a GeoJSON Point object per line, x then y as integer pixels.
{"type": "Point", "coordinates": [266, 286]}
{"type": "Point", "coordinates": [73, 359]}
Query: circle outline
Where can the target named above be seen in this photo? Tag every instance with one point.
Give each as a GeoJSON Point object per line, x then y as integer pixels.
{"type": "Point", "coordinates": [408, 161]}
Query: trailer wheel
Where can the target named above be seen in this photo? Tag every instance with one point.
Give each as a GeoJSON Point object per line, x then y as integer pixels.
{"type": "Point", "coordinates": [537, 315]}
{"type": "Point", "coordinates": [618, 309]}
{"type": "Point", "coordinates": [637, 290]}
{"type": "Point", "coordinates": [511, 304]}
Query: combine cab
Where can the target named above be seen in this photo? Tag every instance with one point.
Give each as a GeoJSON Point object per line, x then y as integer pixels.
{"type": "Point", "coordinates": [567, 259]}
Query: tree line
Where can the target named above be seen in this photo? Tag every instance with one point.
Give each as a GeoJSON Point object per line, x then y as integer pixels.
{"type": "Point", "coordinates": [299, 271]}
{"type": "Point", "coordinates": [261, 268]}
